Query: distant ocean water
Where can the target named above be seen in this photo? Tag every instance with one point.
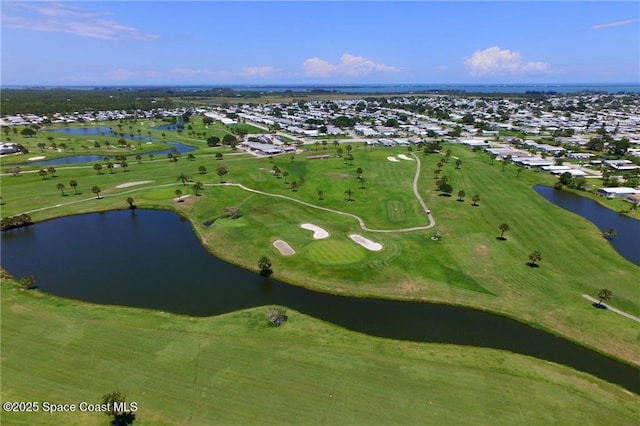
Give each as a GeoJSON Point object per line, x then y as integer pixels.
{"type": "Point", "coordinates": [467, 88]}
{"type": "Point", "coordinates": [385, 88]}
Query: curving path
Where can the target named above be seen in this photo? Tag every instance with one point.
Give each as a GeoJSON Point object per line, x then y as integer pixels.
{"type": "Point", "coordinates": [612, 309]}
{"type": "Point", "coordinates": [361, 222]}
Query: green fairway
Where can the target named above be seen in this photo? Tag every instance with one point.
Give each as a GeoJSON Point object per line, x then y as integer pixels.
{"type": "Point", "coordinates": [466, 265]}
{"type": "Point", "coordinates": [237, 369]}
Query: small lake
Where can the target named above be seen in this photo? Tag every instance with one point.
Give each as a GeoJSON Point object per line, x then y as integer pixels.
{"type": "Point", "coordinates": [105, 131]}
{"type": "Point", "coordinates": [627, 240]}
{"type": "Point", "coordinates": [154, 260]}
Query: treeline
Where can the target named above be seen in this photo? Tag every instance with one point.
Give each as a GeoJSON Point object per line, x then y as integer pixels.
{"type": "Point", "coordinates": [15, 222]}
{"type": "Point", "coordinates": [49, 101]}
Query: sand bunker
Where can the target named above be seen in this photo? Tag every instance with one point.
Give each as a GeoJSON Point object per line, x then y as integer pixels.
{"type": "Point", "coordinates": [284, 248]}
{"type": "Point", "coordinates": [394, 159]}
{"type": "Point", "coordinates": [318, 233]}
{"type": "Point", "coordinates": [40, 157]}
{"type": "Point", "coordinates": [128, 184]}
{"type": "Point", "coordinates": [182, 197]}
{"type": "Point", "coordinates": [404, 157]}
{"type": "Point", "coordinates": [365, 242]}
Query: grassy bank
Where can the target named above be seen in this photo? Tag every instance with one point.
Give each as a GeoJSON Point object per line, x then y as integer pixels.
{"type": "Point", "coordinates": [237, 369]}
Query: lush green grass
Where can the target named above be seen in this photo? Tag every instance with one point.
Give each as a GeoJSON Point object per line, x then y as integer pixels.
{"type": "Point", "coordinates": [237, 369]}
{"type": "Point", "coordinates": [467, 266]}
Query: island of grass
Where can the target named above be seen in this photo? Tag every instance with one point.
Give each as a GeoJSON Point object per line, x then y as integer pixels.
{"type": "Point", "coordinates": [465, 265]}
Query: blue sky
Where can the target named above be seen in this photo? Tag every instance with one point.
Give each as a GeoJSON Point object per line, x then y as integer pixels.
{"type": "Point", "coordinates": [218, 43]}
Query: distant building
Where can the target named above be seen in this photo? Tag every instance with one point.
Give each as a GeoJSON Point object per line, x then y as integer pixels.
{"type": "Point", "coordinates": [617, 192]}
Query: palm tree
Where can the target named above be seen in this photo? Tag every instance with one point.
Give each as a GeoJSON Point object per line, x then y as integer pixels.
{"type": "Point", "coordinates": [359, 172]}
{"type": "Point", "coordinates": [503, 227]}
{"type": "Point", "coordinates": [292, 157]}
{"type": "Point", "coordinates": [151, 157]}
{"type": "Point", "coordinates": [363, 182]}
{"type": "Point", "coordinates": [276, 171]}
{"type": "Point", "coordinates": [110, 167]}
{"type": "Point", "coordinates": [294, 186]}
{"type": "Point", "coordinates": [184, 178]}
{"type": "Point", "coordinates": [320, 194]}
{"type": "Point", "coordinates": [475, 199]}
{"type": "Point", "coordinates": [222, 170]}
{"type": "Point", "coordinates": [96, 190]}
{"type": "Point", "coordinates": [124, 165]}
{"type": "Point", "coordinates": [458, 163]}
{"type": "Point", "coordinates": [98, 168]}
{"type": "Point", "coordinates": [198, 186]}
{"type": "Point", "coordinates": [202, 170]}
{"type": "Point", "coordinates": [179, 195]}
{"type": "Point", "coordinates": [461, 195]}
{"type": "Point", "coordinates": [604, 294]}
{"type": "Point", "coordinates": [52, 170]}
{"type": "Point", "coordinates": [447, 155]}
{"type": "Point", "coordinates": [349, 158]}
{"type": "Point", "coordinates": [191, 157]}
{"type": "Point", "coordinates": [534, 257]}
{"type": "Point", "coordinates": [43, 173]}
{"type": "Point", "coordinates": [609, 233]}
{"type": "Point", "coordinates": [130, 202]}
{"type": "Point", "coordinates": [139, 158]}
{"type": "Point", "coordinates": [265, 266]}
{"type": "Point", "coordinates": [349, 194]}
{"type": "Point", "coordinates": [285, 175]}
{"type": "Point", "coordinates": [74, 185]}
{"type": "Point", "coordinates": [60, 187]}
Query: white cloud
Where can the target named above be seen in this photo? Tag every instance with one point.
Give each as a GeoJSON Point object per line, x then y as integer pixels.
{"type": "Point", "coordinates": [68, 18]}
{"type": "Point", "coordinates": [349, 65]}
{"type": "Point", "coordinates": [613, 24]}
{"type": "Point", "coordinates": [496, 61]}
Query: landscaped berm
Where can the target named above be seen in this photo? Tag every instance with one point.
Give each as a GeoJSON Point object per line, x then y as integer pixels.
{"type": "Point", "coordinates": [237, 368]}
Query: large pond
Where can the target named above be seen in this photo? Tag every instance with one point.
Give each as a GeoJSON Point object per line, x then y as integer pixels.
{"type": "Point", "coordinates": [105, 131]}
{"type": "Point", "coordinates": [154, 260]}
{"type": "Point", "coordinates": [627, 240]}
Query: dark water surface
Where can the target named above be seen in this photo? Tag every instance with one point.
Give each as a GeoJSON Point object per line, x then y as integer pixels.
{"type": "Point", "coordinates": [105, 131]}
{"type": "Point", "coordinates": [154, 260]}
{"type": "Point", "coordinates": [627, 240]}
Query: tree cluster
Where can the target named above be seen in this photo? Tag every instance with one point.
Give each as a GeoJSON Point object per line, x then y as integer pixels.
{"type": "Point", "coordinates": [13, 222]}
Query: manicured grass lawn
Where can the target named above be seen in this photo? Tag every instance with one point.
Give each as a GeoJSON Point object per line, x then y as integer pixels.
{"type": "Point", "coordinates": [466, 266]}
{"type": "Point", "coordinates": [237, 369]}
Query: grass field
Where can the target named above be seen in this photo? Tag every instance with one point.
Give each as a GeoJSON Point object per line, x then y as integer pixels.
{"type": "Point", "coordinates": [237, 369]}
{"type": "Point", "coordinates": [466, 266]}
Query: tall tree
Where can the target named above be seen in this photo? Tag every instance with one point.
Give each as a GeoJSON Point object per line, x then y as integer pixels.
{"type": "Point", "coordinates": [43, 173]}
{"type": "Point", "coordinates": [534, 257]}
{"type": "Point", "coordinates": [285, 175]}
{"type": "Point", "coordinates": [202, 170]}
{"type": "Point", "coordinates": [461, 195]}
{"type": "Point", "coordinates": [96, 190]}
{"type": "Point", "coordinates": [60, 187]}
{"type": "Point", "coordinates": [52, 171]}
{"type": "Point", "coordinates": [503, 227]}
{"type": "Point", "coordinates": [265, 266]}
{"type": "Point", "coordinates": [222, 170]}
{"type": "Point", "coordinates": [74, 185]}
{"type": "Point", "coordinates": [198, 186]}
{"type": "Point", "coordinates": [178, 193]}
{"type": "Point", "coordinates": [604, 294]}
{"type": "Point", "coordinates": [130, 202]}
{"type": "Point", "coordinates": [349, 194]}
{"type": "Point", "coordinates": [98, 168]}
{"type": "Point", "coordinates": [320, 194]}
{"type": "Point", "coordinates": [184, 178]}
{"type": "Point", "coordinates": [294, 186]}
{"type": "Point", "coordinates": [359, 172]}
{"type": "Point", "coordinates": [475, 199]}
{"type": "Point", "coordinates": [458, 163]}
